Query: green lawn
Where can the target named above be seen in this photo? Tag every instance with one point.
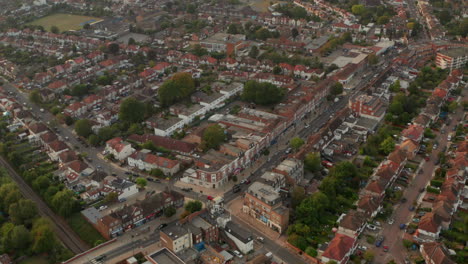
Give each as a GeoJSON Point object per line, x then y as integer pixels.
{"type": "Point", "coordinates": [84, 229]}
{"type": "Point", "coordinates": [64, 22]}
{"type": "Point", "coordinates": [35, 260]}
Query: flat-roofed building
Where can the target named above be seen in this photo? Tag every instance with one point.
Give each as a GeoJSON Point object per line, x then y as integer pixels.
{"type": "Point", "coordinates": [164, 256]}
{"type": "Point", "coordinates": [263, 202]}
{"type": "Point", "coordinates": [452, 58]}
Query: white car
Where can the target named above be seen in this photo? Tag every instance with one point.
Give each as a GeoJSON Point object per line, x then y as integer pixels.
{"type": "Point", "coordinates": [371, 227]}
{"type": "Point", "coordinates": [363, 248]}
{"type": "Point", "coordinates": [238, 254]}
{"type": "Point", "coordinates": [391, 221]}
{"type": "Point", "coordinates": [103, 207]}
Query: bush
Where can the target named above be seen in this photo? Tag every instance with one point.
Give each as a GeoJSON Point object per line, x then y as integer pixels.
{"type": "Point", "coordinates": [436, 183]}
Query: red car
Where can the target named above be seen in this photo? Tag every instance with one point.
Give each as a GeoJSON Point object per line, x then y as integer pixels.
{"type": "Point", "coordinates": [210, 197]}
{"type": "Point", "coordinates": [427, 158]}
{"type": "Point", "coordinates": [385, 248]}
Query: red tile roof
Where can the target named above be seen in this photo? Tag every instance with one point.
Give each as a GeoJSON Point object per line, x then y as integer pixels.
{"type": "Point", "coordinates": [339, 247]}
{"type": "Point", "coordinates": [78, 166]}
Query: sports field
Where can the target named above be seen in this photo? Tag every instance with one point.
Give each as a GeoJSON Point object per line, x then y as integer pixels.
{"type": "Point", "coordinates": [64, 22]}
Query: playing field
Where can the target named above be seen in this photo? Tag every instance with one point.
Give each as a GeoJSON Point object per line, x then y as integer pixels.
{"type": "Point", "coordinates": [64, 21]}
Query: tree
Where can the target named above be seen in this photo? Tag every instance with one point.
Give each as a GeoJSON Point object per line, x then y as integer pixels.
{"type": "Point", "coordinates": [294, 33]}
{"type": "Point", "coordinates": [336, 89]}
{"type": "Point", "coordinates": [262, 93]}
{"type": "Point", "coordinates": [369, 256]}
{"type": "Point", "coordinates": [387, 146]}
{"type": "Point", "coordinates": [132, 110]}
{"type": "Point", "coordinates": [43, 236]}
{"type": "Point", "coordinates": [262, 33]}
{"type": "Point", "coordinates": [113, 48]}
{"type": "Point", "coordinates": [253, 53]}
{"type": "Point", "coordinates": [193, 206]}
{"type": "Point", "coordinates": [383, 20]}
{"type": "Point", "coordinates": [87, 26]}
{"type": "Point", "coordinates": [169, 211]}
{"type": "Point", "coordinates": [131, 41]}
{"type": "Point", "coordinates": [23, 212]}
{"type": "Point", "coordinates": [312, 162]}
{"type": "Point", "coordinates": [64, 203]}
{"type": "Point", "coordinates": [233, 29]}
{"type": "Point", "coordinates": [212, 137]}
{"type": "Point", "coordinates": [157, 173]}
{"type": "Point", "coordinates": [141, 182]}
{"type": "Point", "coordinates": [111, 197]}
{"type": "Point", "coordinates": [179, 87]}
{"type": "Point", "coordinates": [311, 251]}
{"type": "Point", "coordinates": [35, 97]}
{"type": "Point", "coordinates": [297, 196]}
{"type": "Point", "coordinates": [107, 133]}
{"type": "Point", "coordinates": [395, 87]}
{"type": "Point", "coordinates": [358, 9]}
{"type": "Point", "coordinates": [296, 143]}
{"type": "Point", "coordinates": [83, 128]}
{"type": "Point", "coordinates": [94, 140]}
{"type": "Point", "coordinates": [277, 70]}
{"type": "Point", "coordinates": [452, 106]}
{"type": "Point", "coordinates": [54, 29]}
{"type": "Point", "coordinates": [19, 238]}
{"type": "Point", "coordinates": [372, 59]}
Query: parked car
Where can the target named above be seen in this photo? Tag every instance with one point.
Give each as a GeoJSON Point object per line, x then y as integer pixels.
{"type": "Point", "coordinates": [421, 213]}
{"type": "Point", "coordinates": [100, 258]}
{"type": "Point", "coordinates": [379, 241]}
{"type": "Point", "coordinates": [161, 226]}
{"type": "Point", "coordinates": [372, 227]}
{"type": "Point", "coordinates": [260, 239]}
{"type": "Point", "coordinates": [411, 208]}
{"type": "Point", "coordinates": [209, 197]}
{"type": "Point", "coordinates": [363, 248]}
{"type": "Point", "coordinates": [391, 221]}
{"type": "Point", "coordinates": [385, 248]}
{"type": "Point", "coordinates": [102, 207]}
{"type": "Point", "coordinates": [150, 179]}
{"type": "Point", "coordinates": [416, 220]}
{"type": "Point", "coordinates": [238, 254]}
{"type": "Point", "coordinates": [402, 226]}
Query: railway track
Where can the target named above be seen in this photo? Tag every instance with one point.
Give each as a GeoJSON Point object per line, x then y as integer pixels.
{"type": "Point", "coordinates": [68, 237]}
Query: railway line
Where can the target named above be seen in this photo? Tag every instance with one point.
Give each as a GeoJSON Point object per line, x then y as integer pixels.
{"type": "Point", "coordinates": [63, 231]}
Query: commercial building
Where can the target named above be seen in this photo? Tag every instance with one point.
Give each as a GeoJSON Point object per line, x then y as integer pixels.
{"type": "Point", "coordinates": [263, 202]}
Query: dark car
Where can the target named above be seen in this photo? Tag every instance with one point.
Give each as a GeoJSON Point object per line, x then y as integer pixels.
{"type": "Point", "coordinates": [100, 257]}
{"type": "Point", "coordinates": [150, 179]}
{"type": "Point", "coordinates": [161, 226]}
{"type": "Point", "coordinates": [379, 241]}
{"type": "Point", "coordinates": [411, 208]}
{"type": "Point", "coordinates": [422, 189]}
{"type": "Point", "coordinates": [403, 200]}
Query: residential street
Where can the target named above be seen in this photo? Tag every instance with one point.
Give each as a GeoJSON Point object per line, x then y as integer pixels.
{"type": "Point", "coordinates": [402, 215]}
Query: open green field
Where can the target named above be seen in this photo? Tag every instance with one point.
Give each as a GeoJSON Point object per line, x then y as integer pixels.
{"type": "Point", "coordinates": [64, 22]}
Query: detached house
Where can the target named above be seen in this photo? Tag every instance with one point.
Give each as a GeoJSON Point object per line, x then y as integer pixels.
{"type": "Point", "coordinates": [352, 224]}
{"type": "Point", "coordinates": [340, 249]}
{"type": "Point", "coordinates": [55, 148]}
{"type": "Point", "coordinates": [413, 132]}
{"type": "Point", "coordinates": [120, 149]}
